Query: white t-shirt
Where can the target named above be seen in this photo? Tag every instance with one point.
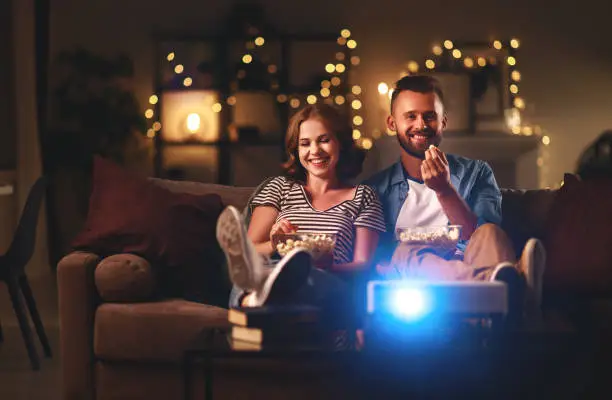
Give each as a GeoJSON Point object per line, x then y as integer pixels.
{"type": "Point", "coordinates": [421, 208]}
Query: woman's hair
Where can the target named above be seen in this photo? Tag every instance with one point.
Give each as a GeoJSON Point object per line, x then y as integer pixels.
{"type": "Point", "coordinates": [350, 162]}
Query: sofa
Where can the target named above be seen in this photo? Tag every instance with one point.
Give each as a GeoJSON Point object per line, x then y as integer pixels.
{"type": "Point", "coordinates": [117, 347]}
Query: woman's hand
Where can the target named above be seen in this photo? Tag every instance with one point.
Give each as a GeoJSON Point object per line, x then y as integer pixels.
{"type": "Point", "coordinates": [282, 226]}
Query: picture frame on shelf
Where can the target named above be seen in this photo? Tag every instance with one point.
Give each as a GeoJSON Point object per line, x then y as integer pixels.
{"type": "Point", "coordinates": [490, 77]}
{"type": "Point", "coordinates": [458, 104]}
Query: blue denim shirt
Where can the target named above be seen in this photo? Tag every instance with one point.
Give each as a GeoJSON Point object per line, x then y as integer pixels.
{"type": "Point", "coordinates": [473, 180]}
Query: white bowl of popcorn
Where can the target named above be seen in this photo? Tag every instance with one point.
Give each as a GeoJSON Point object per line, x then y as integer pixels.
{"type": "Point", "coordinates": [320, 244]}
{"type": "Point", "coordinates": [443, 238]}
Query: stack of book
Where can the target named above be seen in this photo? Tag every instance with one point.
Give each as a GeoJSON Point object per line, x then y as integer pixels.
{"type": "Point", "coordinates": [291, 327]}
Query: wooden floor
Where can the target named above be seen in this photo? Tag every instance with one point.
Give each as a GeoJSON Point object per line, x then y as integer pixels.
{"type": "Point", "coordinates": [17, 379]}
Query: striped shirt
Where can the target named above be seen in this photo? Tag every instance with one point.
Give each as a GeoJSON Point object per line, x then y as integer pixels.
{"type": "Point", "coordinates": [290, 199]}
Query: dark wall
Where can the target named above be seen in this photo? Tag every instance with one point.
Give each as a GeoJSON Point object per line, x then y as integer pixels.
{"type": "Point", "coordinates": [8, 139]}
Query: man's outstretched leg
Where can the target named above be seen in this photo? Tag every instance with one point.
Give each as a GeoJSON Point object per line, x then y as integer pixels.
{"type": "Point", "coordinates": [490, 245]}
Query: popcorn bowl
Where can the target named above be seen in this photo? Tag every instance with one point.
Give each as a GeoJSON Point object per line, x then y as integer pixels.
{"type": "Point", "coordinates": [443, 238]}
{"type": "Point", "coordinates": [320, 244]}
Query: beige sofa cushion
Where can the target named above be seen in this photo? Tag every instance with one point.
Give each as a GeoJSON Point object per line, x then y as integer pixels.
{"type": "Point", "coordinates": [156, 331]}
{"type": "Point", "coordinates": [124, 278]}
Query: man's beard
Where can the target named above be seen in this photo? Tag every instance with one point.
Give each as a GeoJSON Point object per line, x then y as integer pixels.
{"type": "Point", "coordinates": [404, 141]}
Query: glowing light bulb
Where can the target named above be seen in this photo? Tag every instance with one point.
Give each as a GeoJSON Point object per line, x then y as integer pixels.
{"type": "Point", "coordinates": [383, 88]}
{"type": "Point", "coordinates": [193, 122]}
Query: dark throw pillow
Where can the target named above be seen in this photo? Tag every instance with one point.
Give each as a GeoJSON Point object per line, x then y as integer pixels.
{"type": "Point", "coordinates": [175, 232]}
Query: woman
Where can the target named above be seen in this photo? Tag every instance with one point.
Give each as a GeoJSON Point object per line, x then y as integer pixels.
{"type": "Point", "coordinates": [314, 195]}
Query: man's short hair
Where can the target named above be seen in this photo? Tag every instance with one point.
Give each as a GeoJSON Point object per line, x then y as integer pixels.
{"type": "Point", "coordinates": [419, 84]}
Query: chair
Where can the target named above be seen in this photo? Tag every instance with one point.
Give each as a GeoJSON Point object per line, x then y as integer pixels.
{"type": "Point", "coordinates": [12, 271]}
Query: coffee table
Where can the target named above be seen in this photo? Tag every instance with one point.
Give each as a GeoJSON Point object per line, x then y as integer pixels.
{"type": "Point", "coordinates": [518, 364]}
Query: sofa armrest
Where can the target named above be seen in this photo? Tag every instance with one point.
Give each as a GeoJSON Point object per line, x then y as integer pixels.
{"type": "Point", "coordinates": [77, 301]}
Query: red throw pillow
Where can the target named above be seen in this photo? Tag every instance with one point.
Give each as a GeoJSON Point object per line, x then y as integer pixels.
{"type": "Point", "coordinates": [578, 238]}
{"type": "Point", "coordinates": [175, 232]}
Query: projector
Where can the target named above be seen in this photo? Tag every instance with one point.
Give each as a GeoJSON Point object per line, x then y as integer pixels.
{"type": "Point", "coordinates": [414, 299]}
{"type": "Point", "coordinates": [425, 313]}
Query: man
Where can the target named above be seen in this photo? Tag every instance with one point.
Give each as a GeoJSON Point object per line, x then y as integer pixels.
{"type": "Point", "coordinates": [429, 188]}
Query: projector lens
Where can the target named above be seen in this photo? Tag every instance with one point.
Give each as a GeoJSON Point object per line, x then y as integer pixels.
{"type": "Point", "coordinates": [410, 303]}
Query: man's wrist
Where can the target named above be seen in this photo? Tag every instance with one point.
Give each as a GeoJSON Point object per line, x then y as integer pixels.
{"type": "Point", "coordinates": [446, 192]}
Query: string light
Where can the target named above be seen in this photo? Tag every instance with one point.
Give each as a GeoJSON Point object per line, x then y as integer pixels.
{"type": "Point", "coordinates": [383, 88]}
{"type": "Point", "coordinates": [153, 99]}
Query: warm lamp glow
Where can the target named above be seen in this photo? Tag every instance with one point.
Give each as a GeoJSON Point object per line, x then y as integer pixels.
{"type": "Point", "coordinates": [514, 43]}
{"type": "Point", "coordinates": [457, 53]}
{"type": "Point", "coordinates": [340, 68]}
{"type": "Point", "coordinates": [497, 44]}
{"type": "Point", "coordinates": [430, 64]}
{"type": "Point", "coordinates": [437, 50]}
{"type": "Point", "coordinates": [366, 143]}
{"type": "Point", "coordinates": [345, 33]}
{"type": "Point", "coordinates": [324, 92]}
{"type": "Point", "coordinates": [356, 134]}
{"type": "Point", "coordinates": [357, 120]}
{"type": "Point", "coordinates": [259, 41]}
{"type": "Point", "coordinates": [448, 44]}
{"type": "Point", "coordinates": [330, 68]}
{"type": "Point", "coordinates": [179, 68]}
{"type": "Point", "coordinates": [351, 44]}
{"type": "Point", "coordinates": [247, 58]}
{"type": "Point", "coordinates": [193, 122]}
{"type": "Point", "coordinates": [311, 99]}
{"type": "Point", "coordinates": [356, 89]}
{"type": "Point", "coordinates": [153, 99]}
